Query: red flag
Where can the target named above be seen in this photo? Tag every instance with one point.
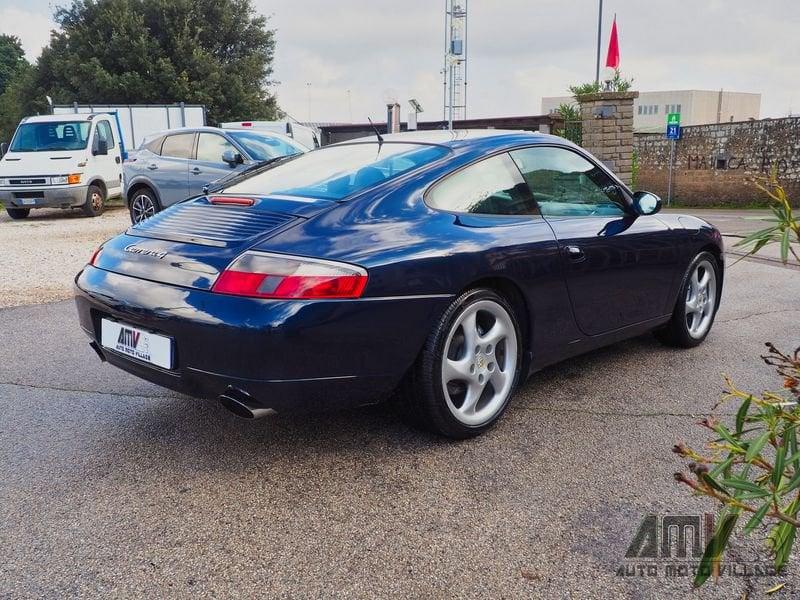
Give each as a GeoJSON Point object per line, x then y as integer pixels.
{"type": "Point", "coordinates": [612, 60]}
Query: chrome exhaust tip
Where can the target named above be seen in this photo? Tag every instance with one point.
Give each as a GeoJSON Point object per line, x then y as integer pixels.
{"type": "Point", "coordinates": [243, 405]}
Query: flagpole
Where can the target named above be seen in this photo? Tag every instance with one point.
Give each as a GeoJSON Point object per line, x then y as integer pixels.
{"type": "Point", "coordinates": [599, 41]}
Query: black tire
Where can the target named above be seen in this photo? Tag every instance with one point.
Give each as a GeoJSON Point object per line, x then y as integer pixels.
{"type": "Point", "coordinates": [143, 204]}
{"type": "Point", "coordinates": [18, 213]}
{"type": "Point", "coordinates": [677, 331]}
{"type": "Point", "coordinates": [422, 396]}
{"type": "Point", "coordinates": [95, 201]}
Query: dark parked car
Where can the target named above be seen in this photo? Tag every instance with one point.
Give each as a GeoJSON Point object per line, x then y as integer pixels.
{"type": "Point", "coordinates": [448, 265]}
{"type": "Point", "coordinates": [174, 165]}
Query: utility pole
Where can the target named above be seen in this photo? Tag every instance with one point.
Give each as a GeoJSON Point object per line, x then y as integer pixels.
{"type": "Point", "coordinates": [599, 42]}
{"type": "Point", "coordinates": [671, 167]}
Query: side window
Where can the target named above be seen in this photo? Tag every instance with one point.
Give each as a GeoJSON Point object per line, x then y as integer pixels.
{"type": "Point", "coordinates": [210, 147]}
{"type": "Point", "coordinates": [178, 145]}
{"type": "Point", "coordinates": [566, 184]}
{"type": "Point", "coordinates": [104, 132]}
{"type": "Point", "coordinates": [154, 145]}
{"type": "Point", "coordinates": [491, 187]}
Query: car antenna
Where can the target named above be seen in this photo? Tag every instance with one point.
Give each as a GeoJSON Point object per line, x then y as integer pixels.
{"type": "Point", "coordinates": [377, 133]}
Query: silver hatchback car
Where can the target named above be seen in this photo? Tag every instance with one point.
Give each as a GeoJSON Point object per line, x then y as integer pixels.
{"type": "Point", "coordinates": [174, 165]}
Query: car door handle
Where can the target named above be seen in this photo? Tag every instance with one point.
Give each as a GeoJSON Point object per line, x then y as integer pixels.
{"type": "Point", "coordinates": [575, 253]}
{"type": "Point", "coordinates": [152, 166]}
{"type": "Point", "coordinates": [196, 171]}
{"type": "Point", "coordinates": [117, 159]}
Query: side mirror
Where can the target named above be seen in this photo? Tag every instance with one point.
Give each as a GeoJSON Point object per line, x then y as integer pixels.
{"type": "Point", "coordinates": [101, 148]}
{"type": "Point", "coordinates": [3, 149]}
{"type": "Point", "coordinates": [232, 158]}
{"type": "Point", "coordinates": [646, 203]}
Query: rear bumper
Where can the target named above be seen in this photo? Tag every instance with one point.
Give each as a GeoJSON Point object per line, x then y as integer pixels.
{"type": "Point", "coordinates": [289, 355]}
{"type": "Point", "coordinates": [74, 195]}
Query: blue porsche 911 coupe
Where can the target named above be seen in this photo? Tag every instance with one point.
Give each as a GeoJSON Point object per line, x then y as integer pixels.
{"type": "Point", "coordinates": [443, 266]}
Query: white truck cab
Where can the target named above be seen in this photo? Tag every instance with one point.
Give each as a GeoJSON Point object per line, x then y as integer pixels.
{"type": "Point", "coordinates": [62, 161]}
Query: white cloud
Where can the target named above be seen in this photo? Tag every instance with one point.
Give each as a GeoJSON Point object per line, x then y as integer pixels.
{"type": "Point", "coordinates": [31, 27]}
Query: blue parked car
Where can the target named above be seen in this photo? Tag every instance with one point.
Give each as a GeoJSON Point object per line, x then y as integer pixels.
{"type": "Point", "coordinates": [446, 265]}
{"type": "Point", "coordinates": [174, 165]}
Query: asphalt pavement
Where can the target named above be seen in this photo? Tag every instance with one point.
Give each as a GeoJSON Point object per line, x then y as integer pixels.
{"type": "Point", "coordinates": [111, 486]}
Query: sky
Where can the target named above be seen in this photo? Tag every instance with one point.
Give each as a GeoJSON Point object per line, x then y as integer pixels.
{"type": "Point", "coordinates": [358, 54]}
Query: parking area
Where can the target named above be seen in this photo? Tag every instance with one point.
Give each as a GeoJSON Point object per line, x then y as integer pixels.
{"type": "Point", "coordinates": [114, 486]}
{"type": "Point", "coordinates": [43, 253]}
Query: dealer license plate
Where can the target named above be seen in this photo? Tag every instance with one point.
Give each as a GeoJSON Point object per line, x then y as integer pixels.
{"type": "Point", "coordinates": [136, 343]}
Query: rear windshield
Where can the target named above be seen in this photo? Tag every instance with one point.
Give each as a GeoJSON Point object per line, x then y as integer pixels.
{"type": "Point", "coordinates": [49, 136]}
{"type": "Point", "coordinates": [336, 172]}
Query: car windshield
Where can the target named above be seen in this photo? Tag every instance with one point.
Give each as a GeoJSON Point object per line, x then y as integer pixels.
{"type": "Point", "coordinates": [336, 172]}
{"type": "Point", "coordinates": [52, 135]}
{"type": "Point", "coordinates": [261, 146]}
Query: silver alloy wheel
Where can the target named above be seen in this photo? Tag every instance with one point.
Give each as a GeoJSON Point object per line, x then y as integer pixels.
{"type": "Point", "coordinates": [479, 363]}
{"type": "Point", "coordinates": [701, 299]}
{"type": "Point", "coordinates": [142, 207]}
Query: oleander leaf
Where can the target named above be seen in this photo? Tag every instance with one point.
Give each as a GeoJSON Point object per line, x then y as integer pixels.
{"type": "Point", "coordinates": [755, 447]}
{"type": "Point", "coordinates": [756, 519]}
{"type": "Point", "coordinates": [712, 556]}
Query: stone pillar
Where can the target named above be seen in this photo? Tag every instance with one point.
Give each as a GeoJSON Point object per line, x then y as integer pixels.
{"type": "Point", "coordinates": [607, 129]}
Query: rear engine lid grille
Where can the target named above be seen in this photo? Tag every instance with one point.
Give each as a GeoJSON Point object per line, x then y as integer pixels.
{"type": "Point", "coordinates": [209, 225]}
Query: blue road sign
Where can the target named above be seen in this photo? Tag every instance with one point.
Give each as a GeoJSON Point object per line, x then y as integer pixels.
{"type": "Point", "coordinates": [673, 131]}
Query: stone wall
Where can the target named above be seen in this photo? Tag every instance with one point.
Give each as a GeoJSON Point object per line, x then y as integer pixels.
{"type": "Point", "coordinates": [607, 129]}
{"type": "Point", "coordinates": [716, 164]}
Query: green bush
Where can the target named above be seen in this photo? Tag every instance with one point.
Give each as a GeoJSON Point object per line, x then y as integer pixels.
{"type": "Point", "coordinates": [617, 84]}
{"type": "Point", "coordinates": [752, 466]}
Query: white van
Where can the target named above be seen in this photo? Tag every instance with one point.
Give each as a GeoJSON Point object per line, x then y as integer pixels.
{"type": "Point", "coordinates": [62, 161]}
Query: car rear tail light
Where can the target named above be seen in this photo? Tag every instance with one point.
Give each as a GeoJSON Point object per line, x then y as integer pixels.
{"type": "Point", "coordinates": [265, 275]}
{"type": "Point", "coordinates": [95, 255]}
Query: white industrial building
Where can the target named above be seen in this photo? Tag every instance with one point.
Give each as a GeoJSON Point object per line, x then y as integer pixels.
{"type": "Point", "coordinates": [697, 107]}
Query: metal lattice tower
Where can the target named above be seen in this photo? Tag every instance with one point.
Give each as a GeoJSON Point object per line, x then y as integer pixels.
{"type": "Point", "coordinates": [454, 73]}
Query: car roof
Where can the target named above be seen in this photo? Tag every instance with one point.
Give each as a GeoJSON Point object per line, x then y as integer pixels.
{"type": "Point", "coordinates": [461, 138]}
{"type": "Point", "coordinates": [209, 129]}
{"type": "Point", "coordinates": [63, 117]}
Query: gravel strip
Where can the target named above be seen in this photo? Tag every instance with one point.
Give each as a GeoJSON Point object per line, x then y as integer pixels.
{"type": "Point", "coordinates": [42, 254]}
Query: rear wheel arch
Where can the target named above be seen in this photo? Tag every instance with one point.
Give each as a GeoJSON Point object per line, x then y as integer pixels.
{"type": "Point", "coordinates": [421, 397]}
{"type": "Point", "coordinates": [513, 294]}
{"type": "Point", "coordinates": [136, 188]}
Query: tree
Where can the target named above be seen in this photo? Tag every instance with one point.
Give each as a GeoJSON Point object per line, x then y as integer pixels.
{"type": "Point", "coordinates": [16, 85]}
{"type": "Point", "coordinates": [213, 52]}
{"type": "Point", "coordinates": [18, 100]}
{"type": "Point", "coordinates": [12, 59]}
